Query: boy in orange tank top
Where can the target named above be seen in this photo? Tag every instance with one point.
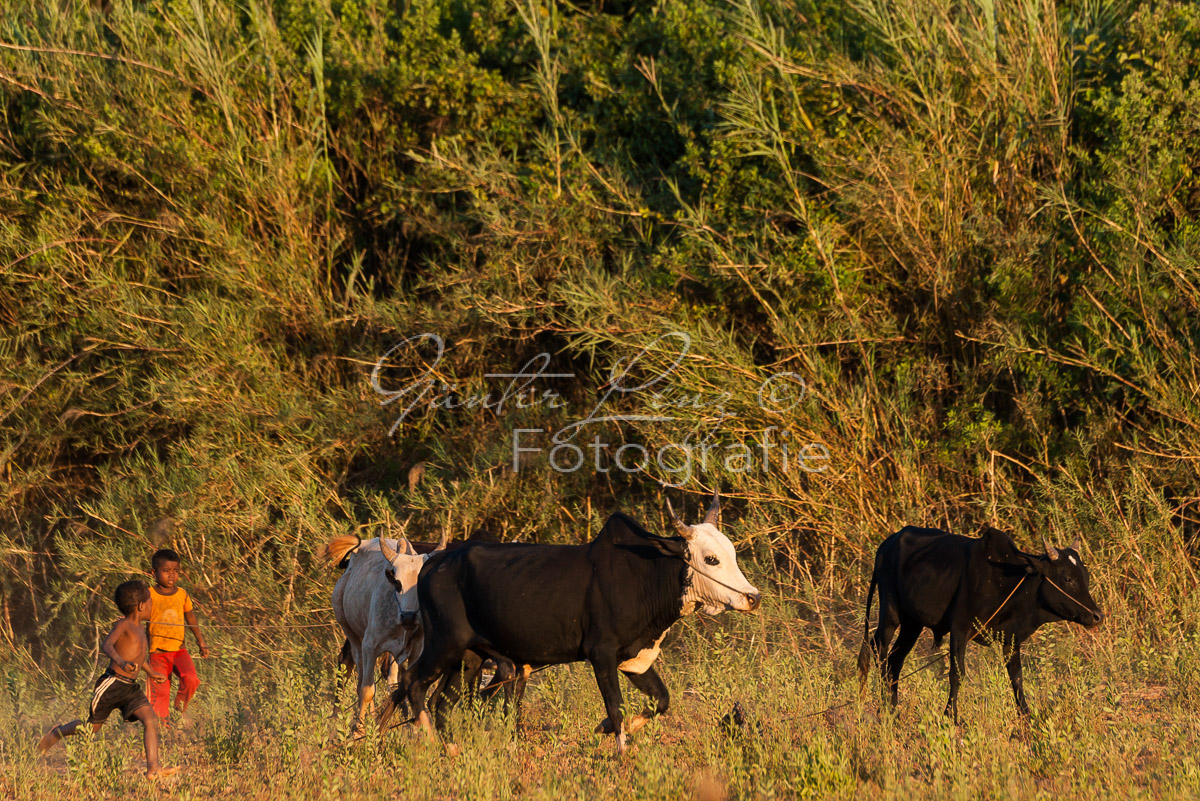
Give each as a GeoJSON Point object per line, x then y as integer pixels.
{"type": "Point", "coordinates": [172, 612]}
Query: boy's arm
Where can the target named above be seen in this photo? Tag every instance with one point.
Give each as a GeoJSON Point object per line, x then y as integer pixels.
{"type": "Point", "coordinates": [189, 617]}
{"type": "Point", "coordinates": [153, 673]}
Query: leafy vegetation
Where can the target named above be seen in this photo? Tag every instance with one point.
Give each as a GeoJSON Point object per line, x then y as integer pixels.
{"type": "Point", "coordinates": [970, 229]}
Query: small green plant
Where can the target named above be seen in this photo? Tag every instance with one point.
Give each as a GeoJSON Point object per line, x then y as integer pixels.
{"type": "Point", "coordinates": [227, 741]}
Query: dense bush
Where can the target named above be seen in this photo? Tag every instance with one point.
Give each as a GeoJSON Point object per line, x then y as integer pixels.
{"type": "Point", "coordinates": [971, 229]}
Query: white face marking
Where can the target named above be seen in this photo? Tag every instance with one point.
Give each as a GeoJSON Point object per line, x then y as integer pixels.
{"type": "Point", "coordinates": [1071, 559]}
{"type": "Point", "coordinates": [730, 588]}
{"type": "Point", "coordinates": [645, 658]}
{"type": "Point", "coordinates": [406, 570]}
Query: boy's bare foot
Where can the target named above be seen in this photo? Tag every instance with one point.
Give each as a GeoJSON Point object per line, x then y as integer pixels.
{"type": "Point", "coordinates": [49, 739]}
{"type": "Point", "coordinates": [162, 773]}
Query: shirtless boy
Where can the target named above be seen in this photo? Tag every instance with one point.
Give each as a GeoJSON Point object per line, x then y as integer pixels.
{"type": "Point", "coordinates": [117, 687]}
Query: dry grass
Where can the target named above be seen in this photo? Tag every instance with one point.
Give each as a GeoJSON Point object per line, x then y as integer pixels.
{"type": "Point", "coordinates": [1114, 718]}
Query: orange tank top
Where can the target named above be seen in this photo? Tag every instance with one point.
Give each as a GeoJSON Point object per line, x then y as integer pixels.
{"type": "Point", "coordinates": [166, 619]}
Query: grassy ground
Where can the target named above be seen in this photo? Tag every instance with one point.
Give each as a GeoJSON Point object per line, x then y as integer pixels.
{"type": "Point", "coordinates": [1114, 718]}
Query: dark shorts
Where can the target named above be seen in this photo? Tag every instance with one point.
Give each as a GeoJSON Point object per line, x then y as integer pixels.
{"type": "Point", "coordinates": [115, 692]}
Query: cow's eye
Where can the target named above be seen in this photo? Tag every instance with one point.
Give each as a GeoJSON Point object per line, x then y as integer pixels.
{"type": "Point", "coordinates": [712, 560]}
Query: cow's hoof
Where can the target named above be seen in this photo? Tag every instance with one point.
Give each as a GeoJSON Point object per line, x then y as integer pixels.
{"type": "Point", "coordinates": [621, 747]}
{"type": "Point", "coordinates": [605, 727]}
{"type": "Point", "coordinates": [452, 750]}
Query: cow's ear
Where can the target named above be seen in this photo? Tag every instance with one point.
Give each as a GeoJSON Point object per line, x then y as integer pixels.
{"type": "Point", "coordinates": [998, 546]}
{"type": "Point", "coordinates": [669, 546]}
{"type": "Point", "coordinates": [1035, 565]}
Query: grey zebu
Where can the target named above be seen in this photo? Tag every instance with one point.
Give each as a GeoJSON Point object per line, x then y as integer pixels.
{"type": "Point", "coordinates": [375, 603]}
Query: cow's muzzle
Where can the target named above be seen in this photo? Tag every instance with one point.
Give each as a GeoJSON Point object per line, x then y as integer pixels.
{"type": "Point", "coordinates": [753, 600]}
{"type": "Point", "coordinates": [1092, 619]}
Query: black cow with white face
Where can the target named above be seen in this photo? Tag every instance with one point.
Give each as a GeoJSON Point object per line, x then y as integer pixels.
{"type": "Point", "coordinates": [981, 589]}
{"type": "Point", "coordinates": [609, 602]}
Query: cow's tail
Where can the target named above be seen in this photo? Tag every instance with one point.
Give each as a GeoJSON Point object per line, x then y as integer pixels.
{"type": "Point", "coordinates": [865, 655]}
{"type": "Point", "coordinates": [338, 549]}
{"type": "Point", "coordinates": [346, 656]}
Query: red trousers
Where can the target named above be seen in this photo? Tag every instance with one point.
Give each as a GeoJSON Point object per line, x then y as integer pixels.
{"type": "Point", "coordinates": [167, 662]}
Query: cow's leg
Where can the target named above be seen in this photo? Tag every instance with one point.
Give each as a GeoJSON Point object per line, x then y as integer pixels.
{"type": "Point", "coordinates": [607, 678]}
{"type": "Point", "coordinates": [394, 700]}
{"type": "Point", "coordinates": [354, 654]}
{"type": "Point", "coordinates": [345, 661]}
{"type": "Point", "coordinates": [431, 666]}
{"type": "Point", "coordinates": [388, 669]}
{"type": "Point", "coordinates": [506, 672]}
{"type": "Point", "coordinates": [505, 676]}
{"type": "Point", "coordinates": [473, 665]}
{"type": "Point", "coordinates": [451, 691]}
{"type": "Point", "coordinates": [512, 674]}
{"type": "Point", "coordinates": [1013, 651]}
{"type": "Point", "coordinates": [417, 688]}
{"type": "Point", "coordinates": [465, 680]}
{"type": "Point", "coordinates": [652, 685]}
{"type": "Point", "coordinates": [367, 656]}
{"type": "Point", "coordinates": [888, 621]}
{"type": "Point", "coordinates": [905, 640]}
{"type": "Point", "coordinates": [345, 664]}
{"type": "Point", "coordinates": [522, 679]}
{"type": "Point", "coordinates": [958, 663]}
{"type": "Point", "coordinates": [397, 653]}
{"type": "Point", "coordinates": [393, 672]}
{"type": "Point", "coordinates": [406, 661]}
{"type": "Point", "coordinates": [513, 679]}
{"type": "Point", "coordinates": [502, 679]}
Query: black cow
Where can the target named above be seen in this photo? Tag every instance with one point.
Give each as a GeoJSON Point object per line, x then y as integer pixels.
{"type": "Point", "coordinates": [983, 589]}
{"type": "Point", "coordinates": [609, 602]}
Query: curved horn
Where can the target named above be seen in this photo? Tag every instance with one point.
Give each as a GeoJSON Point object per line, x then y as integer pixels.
{"type": "Point", "coordinates": [387, 551]}
{"type": "Point", "coordinates": [713, 516]}
{"type": "Point", "coordinates": [1051, 551]}
{"type": "Point", "coordinates": [684, 529]}
{"type": "Point", "coordinates": [1077, 544]}
{"type": "Point", "coordinates": [441, 546]}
